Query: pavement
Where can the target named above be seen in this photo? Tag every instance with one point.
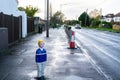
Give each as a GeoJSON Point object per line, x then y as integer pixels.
{"type": "Point", "coordinates": [62, 64]}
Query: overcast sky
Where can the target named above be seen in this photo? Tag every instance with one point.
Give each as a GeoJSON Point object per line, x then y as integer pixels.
{"type": "Point", "coordinates": [73, 8]}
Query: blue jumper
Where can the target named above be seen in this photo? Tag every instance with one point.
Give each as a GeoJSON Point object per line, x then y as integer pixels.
{"type": "Point", "coordinates": [41, 55]}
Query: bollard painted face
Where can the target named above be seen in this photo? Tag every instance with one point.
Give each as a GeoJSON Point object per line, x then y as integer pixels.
{"type": "Point", "coordinates": [41, 45]}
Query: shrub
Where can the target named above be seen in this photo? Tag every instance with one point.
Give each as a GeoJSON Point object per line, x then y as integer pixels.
{"type": "Point", "coordinates": [106, 24]}
{"type": "Point", "coordinates": [94, 23]}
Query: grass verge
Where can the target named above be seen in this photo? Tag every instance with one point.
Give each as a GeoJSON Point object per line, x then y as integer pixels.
{"type": "Point", "coordinates": [104, 29]}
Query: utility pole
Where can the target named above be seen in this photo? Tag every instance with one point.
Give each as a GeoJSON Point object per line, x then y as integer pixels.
{"type": "Point", "coordinates": [86, 17]}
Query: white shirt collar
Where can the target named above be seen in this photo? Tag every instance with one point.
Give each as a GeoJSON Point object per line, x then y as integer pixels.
{"type": "Point", "coordinates": [41, 49]}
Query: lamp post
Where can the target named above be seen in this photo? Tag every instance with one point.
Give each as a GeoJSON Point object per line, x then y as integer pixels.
{"type": "Point", "coordinates": [61, 5]}
{"type": "Point", "coordinates": [47, 14]}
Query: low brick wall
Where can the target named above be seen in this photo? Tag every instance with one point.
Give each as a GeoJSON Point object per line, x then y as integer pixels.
{"type": "Point", "coordinates": [116, 27]}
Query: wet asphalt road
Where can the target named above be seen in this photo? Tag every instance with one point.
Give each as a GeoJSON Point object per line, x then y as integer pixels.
{"type": "Point", "coordinates": [62, 64]}
{"type": "Point", "coordinates": [103, 48]}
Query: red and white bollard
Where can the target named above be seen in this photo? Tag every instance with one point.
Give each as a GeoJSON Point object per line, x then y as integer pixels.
{"type": "Point", "coordinates": [72, 42]}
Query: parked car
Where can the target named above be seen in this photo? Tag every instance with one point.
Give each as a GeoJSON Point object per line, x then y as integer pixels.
{"type": "Point", "coordinates": [77, 26]}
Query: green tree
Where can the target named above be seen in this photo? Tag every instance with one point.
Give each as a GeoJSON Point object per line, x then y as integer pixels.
{"type": "Point", "coordinates": [56, 19]}
{"type": "Point", "coordinates": [29, 10]}
{"type": "Point", "coordinates": [72, 22]}
{"type": "Point", "coordinates": [94, 22]}
{"type": "Point", "coordinates": [21, 9]}
{"type": "Point", "coordinates": [84, 18]}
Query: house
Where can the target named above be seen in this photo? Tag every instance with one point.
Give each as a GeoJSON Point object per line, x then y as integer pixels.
{"type": "Point", "coordinates": [111, 17]}
{"type": "Point", "coordinates": [117, 17]}
{"type": "Point", "coordinates": [103, 18]}
{"type": "Point", "coordinates": [108, 18]}
{"type": "Point", "coordinates": [10, 7]}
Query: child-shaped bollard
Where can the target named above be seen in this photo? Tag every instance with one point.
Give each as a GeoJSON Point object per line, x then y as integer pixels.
{"type": "Point", "coordinates": [41, 58]}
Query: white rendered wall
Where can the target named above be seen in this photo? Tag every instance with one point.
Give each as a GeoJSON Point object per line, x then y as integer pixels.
{"type": "Point", "coordinates": [10, 7]}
